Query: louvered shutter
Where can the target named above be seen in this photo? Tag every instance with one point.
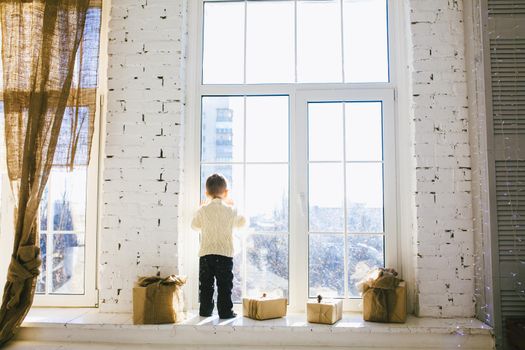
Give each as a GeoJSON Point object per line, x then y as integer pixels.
{"type": "Point", "coordinates": [506, 7]}
{"type": "Point", "coordinates": [505, 35]}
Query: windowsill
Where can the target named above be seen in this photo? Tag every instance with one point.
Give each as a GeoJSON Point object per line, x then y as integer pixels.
{"type": "Point", "coordinates": [89, 324]}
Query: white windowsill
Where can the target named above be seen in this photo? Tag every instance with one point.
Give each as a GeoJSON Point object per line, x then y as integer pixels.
{"type": "Point", "coordinates": [90, 325]}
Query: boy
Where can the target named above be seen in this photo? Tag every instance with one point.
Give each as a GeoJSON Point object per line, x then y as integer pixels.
{"type": "Point", "coordinates": [216, 219]}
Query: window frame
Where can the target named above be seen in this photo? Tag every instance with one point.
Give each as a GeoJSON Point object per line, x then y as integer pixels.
{"type": "Point", "coordinates": [298, 163]}
{"type": "Point", "coordinates": [94, 168]}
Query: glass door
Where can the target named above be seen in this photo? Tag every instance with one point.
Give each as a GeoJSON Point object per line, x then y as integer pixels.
{"type": "Point", "coordinates": [346, 223]}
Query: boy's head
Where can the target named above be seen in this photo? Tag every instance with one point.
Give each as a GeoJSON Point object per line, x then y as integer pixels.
{"type": "Point", "coordinates": [216, 186]}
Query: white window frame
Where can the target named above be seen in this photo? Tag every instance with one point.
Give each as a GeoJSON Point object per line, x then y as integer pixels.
{"type": "Point", "coordinates": [299, 94]}
{"type": "Point", "coordinates": [93, 190]}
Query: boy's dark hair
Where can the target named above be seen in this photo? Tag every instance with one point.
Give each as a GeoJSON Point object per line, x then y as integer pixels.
{"type": "Point", "coordinates": [216, 184]}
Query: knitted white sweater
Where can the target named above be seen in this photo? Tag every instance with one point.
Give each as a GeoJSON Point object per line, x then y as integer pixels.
{"type": "Point", "coordinates": [216, 221]}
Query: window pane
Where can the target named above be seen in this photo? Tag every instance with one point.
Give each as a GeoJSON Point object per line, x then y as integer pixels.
{"type": "Point", "coordinates": [233, 173]}
{"type": "Point", "coordinates": [41, 281]}
{"type": "Point", "coordinates": [43, 210]}
{"type": "Point", "coordinates": [365, 40]}
{"type": "Point", "coordinates": [364, 131]}
{"type": "Point", "coordinates": [325, 125]}
{"type": "Point", "coordinates": [237, 267]}
{"type": "Point", "coordinates": [326, 196]}
{"type": "Point", "coordinates": [222, 129]}
{"type": "Point", "coordinates": [90, 44]}
{"type": "Point", "coordinates": [223, 56]}
{"type": "Point", "coordinates": [267, 129]}
{"type": "Point", "coordinates": [68, 131]}
{"type": "Point", "coordinates": [270, 48]}
{"type": "Point", "coordinates": [267, 197]}
{"type": "Point", "coordinates": [267, 265]}
{"type": "Point", "coordinates": [364, 185]}
{"type": "Point", "coordinates": [68, 264]}
{"type": "Point", "coordinates": [326, 265]}
{"type": "Point", "coordinates": [365, 252]}
{"type": "Point", "coordinates": [319, 54]}
{"type": "Point", "coordinates": [68, 197]}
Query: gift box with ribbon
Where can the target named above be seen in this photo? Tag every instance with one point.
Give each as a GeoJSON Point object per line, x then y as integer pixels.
{"type": "Point", "coordinates": [264, 308]}
{"type": "Point", "coordinates": [158, 300]}
{"type": "Point", "coordinates": [384, 297]}
{"type": "Point", "coordinates": [324, 311]}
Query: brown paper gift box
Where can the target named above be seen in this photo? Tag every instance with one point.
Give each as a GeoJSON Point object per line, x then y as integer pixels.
{"type": "Point", "coordinates": [374, 300]}
{"type": "Point", "coordinates": [321, 311]}
{"type": "Point", "coordinates": [158, 300]}
{"type": "Point", "coordinates": [264, 308]}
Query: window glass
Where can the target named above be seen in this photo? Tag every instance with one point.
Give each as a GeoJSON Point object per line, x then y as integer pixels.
{"type": "Point", "coordinates": [267, 129]}
{"type": "Point", "coordinates": [326, 265]}
{"type": "Point", "coordinates": [62, 211]}
{"type": "Point", "coordinates": [223, 49]}
{"type": "Point", "coordinates": [270, 48]}
{"type": "Point", "coordinates": [255, 164]}
{"type": "Point", "coordinates": [223, 137]}
{"type": "Point", "coordinates": [358, 169]}
{"type": "Point", "coordinates": [313, 39]}
{"type": "Point", "coordinates": [365, 35]}
{"type": "Point", "coordinates": [325, 127]}
{"type": "Point", "coordinates": [364, 186]}
{"type": "Point", "coordinates": [319, 53]}
{"type": "Point", "coordinates": [364, 131]}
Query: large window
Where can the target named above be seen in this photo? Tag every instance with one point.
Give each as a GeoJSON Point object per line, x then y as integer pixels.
{"type": "Point", "coordinates": [67, 213]}
{"type": "Point", "coordinates": [296, 109]}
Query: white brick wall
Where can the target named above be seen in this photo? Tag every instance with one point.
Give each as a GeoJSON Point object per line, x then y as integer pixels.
{"type": "Point", "coordinates": [143, 134]}
{"type": "Point", "coordinates": [443, 213]}
{"type": "Point", "coordinates": [142, 168]}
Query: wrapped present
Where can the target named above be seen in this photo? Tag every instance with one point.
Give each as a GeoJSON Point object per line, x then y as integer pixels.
{"type": "Point", "coordinates": [158, 300]}
{"type": "Point", "coordinates": [384, 297]}
{"type": "Point", "coordinates": [264, 308]}
{"type": "Point", "coordinates": [322, 311]}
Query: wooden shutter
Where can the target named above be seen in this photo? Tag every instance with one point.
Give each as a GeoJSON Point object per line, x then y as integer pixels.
{"type": "Point", "coordinates": [504, 38]}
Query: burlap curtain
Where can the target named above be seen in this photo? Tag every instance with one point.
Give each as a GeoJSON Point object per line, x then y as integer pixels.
{"type": "Point", "coordinates": [40, 40]}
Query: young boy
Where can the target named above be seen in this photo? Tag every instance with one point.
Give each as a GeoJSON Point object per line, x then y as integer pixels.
{"type": "Point", "coordinates": [216, 219]}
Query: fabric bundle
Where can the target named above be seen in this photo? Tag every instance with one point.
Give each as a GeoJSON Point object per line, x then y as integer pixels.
{"type": "Point", "coordinates": [158, 300]}
{"type": "Point", "coordinates": [384, 296]}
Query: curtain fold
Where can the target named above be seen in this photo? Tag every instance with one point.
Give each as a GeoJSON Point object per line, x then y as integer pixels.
{"type": "Point", "coordinates": [40, 44]}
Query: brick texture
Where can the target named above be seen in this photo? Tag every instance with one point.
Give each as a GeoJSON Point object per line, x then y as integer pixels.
{"type": "Point", "coordinates": [442, 188]}
{"type": "Point", "coordinates": [143, 147]}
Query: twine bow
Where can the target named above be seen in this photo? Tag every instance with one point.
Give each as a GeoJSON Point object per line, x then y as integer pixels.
{"type": "Point", "coordinates": [169, 280]}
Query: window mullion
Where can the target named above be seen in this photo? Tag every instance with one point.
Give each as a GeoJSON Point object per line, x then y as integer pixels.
{"type": "Point", "coordinates": [243, 247]}
{"type": "Point", "coordinates": [49, 237]}
{"type": "Point", "coordinates": [295, 41]}
{"type": "Point", "coordinates": [342, 43]}
{"type": "Point", "coordinates": [345, 214]}
{"type": "Point", "coordinates": [245, 37]}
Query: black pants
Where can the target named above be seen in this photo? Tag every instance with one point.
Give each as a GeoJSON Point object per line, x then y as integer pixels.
{"type": "Point", "coordinates": [211, 268]}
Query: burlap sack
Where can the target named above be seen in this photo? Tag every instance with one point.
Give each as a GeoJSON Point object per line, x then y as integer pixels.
{"type": "Point", "coordinates": [384, 297]}
{"type": "Point", "coordinates": [397, 304]}
{"type": "Point", "coordinates": [158, 300]}
{"type": "Point", "coordinates": [264, 308]}
{"type": "Point", "coordinates": [322, 311]}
